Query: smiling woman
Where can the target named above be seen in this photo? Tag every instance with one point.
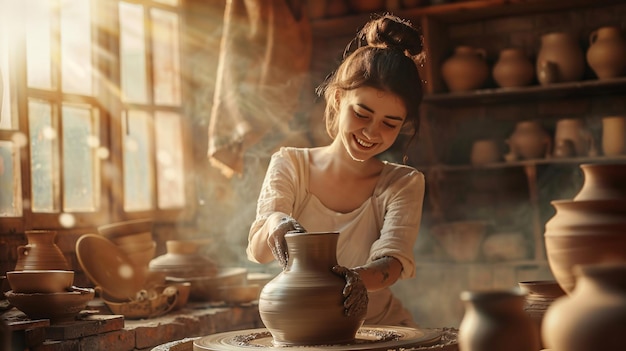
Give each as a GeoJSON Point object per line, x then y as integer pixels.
{"type": "Point", "coordinates": [95, 110]}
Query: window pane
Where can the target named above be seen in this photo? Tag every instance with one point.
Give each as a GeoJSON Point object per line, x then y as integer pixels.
{"type": "Point", "coordinates": [80, 166]}
{"type": "Point", "coordinates": [43, 163]}
{"type": "Point", "coordinates": [10, 184]}
{"type": "Point", "coordinates": [76, 65]}
{"type": "Point", "coordinates": [38, 43]}
{"type": "Point", "coordinates": [165, 56]}
{"type": "Point", "coordinates": [6, 28]}
{"type": "Point", "coordinates": [133, 53]}
{"type": "Point", "coordinates": [138, 171]}
{"type": "Point", "coordinates": [170, 173]}
{"type": "Point", "coordinates": [168, 2]}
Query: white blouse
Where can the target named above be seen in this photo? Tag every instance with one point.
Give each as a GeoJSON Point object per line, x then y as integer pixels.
{"type": "Point", "coordinates": [386, 224]}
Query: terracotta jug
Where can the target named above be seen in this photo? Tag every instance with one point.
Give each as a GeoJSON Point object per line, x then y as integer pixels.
{"type": "Point", "coordinates": [41, 252]}
{"type": "Point", "coordinates": [593, 316]}
{"type": "Point", "coordinates": [303, 305]}
{"type": "Point", "coordinates": [560, 52]}
{"type": "Point", "coordinates": [495, 321]}
{"type": "Point", "coordinates": [528, 141]}
{"type": "Point", "coordinates": [466, 69]}
{"type": "Point", "coordinates": [540, 294]}
{"type": "Point", "coordinates": [607, 52]}
{"type": "Point", "coordinates": [513, 69]}
{"type": "Point", "coordinates": [614, 135]}
{"type": "Point", "coordinates": [574, 129]}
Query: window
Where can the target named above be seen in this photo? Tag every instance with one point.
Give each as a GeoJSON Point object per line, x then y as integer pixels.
{"type": "Point", "coordinates": [91, 117]}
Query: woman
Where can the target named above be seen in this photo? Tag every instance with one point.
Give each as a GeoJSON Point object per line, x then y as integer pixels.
{"type": "Point", "coordinates": [375, 205]}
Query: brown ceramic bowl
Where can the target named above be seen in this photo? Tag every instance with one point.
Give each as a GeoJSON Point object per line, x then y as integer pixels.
{"type": "Point", "coordinates": [206, 288]}
{"type": "Point", "coordinates": [58, 307]}
{"type": "Point", "coordinates": [126, 228]}
{"type": "Point", "coordinates": [40, 281]}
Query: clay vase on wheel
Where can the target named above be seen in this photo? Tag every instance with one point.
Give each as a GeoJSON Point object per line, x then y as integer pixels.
{"type": "Point", "coordinates": [495, 321]}
{"type": "Point", "coordinates": [607, 52]}
{"type": "Point", "coordinates": [560, 52]}
{"type": "Point", "coordinates": [593, 316]}
{"type": "Point", "coordinates": [41, 252]}
{"type": "Point", "coordinates": [303, 305]}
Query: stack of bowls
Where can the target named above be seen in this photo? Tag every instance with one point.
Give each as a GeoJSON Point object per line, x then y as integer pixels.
{"type": "Point", "coordinates": [591, 227]}
{"type": "Point", "coordinates": [134, 239]}
{"type": "Point", "coordinates": [47, 294]}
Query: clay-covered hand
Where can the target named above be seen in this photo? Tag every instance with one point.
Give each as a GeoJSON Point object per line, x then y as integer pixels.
{"type": "Point", "coordinates": [276, 238]}
{"type": "Point", "coordinates": [354, 293]}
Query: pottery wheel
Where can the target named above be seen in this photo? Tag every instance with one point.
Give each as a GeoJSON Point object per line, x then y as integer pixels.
{"type": "Point", "coordinates": [368, 338]}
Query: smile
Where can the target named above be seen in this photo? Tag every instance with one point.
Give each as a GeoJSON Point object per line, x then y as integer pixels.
{"type": "Point", "coordinates": [363, 142]}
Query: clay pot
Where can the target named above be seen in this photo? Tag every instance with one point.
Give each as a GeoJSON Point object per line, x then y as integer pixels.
{"type": "Point", "coordinates": [57, 307]}
{"type": "Point", "coordinates": [303, 305]}
{"type": "Point", "coordinates": [603, 182]}
{"type": "Point", "coordinates": [574, 129]}
{"type": "Point", "coordinates": [495, 321]}
{"type": "Point", "coordinates": [560, 53]}
{"type": "Point", "coordinates": [41, 252]}
{"type": "Point", "coordinates": [528, 141]}
{"type": "Point", "coordinates": [614, 135]}
{"type": "Point", "coordinates": [607, 52]}
{"type": "Point", "coordinates": [540, 294]}
{"type": "Point", "coordinates": [513, 69]}
{"type": "Point", "coordinates": [183, 260]}
{"type": "Point", "coordinates": [593, 316]}
{"type": "Point", "coordinates": [466, 69]}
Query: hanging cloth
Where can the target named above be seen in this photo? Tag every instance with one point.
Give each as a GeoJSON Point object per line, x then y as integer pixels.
{"type": "Point", "coordinates": [263, 64]}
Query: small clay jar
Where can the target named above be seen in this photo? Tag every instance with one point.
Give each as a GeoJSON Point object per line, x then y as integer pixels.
{"type": "Point", "coordinates": [607, 52]}
{"type": "Point", "coordinates": [593, 316]}
{"type": "Point", "coordinates": [614, 135]}
{"type": "Point", "coordinates": [513, 69]}
{"type": "Point", "coordinates": [528, 141]}
{"type": "Point", "coordinates": [560, 53]}
{"type": "Point", "coordinates": [466, 69]}
{"type": "Point", "coordinates": [41, 252]}
{"type": "Point", "coordinates": [496, 321]}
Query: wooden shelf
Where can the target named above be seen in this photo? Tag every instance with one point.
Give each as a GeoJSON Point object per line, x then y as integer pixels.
{"type": "Point", "coordinates": [456, 12]}
{"type": "Point", "coordinates": [553, 91]}
{"type": "Point", "coordinates": [525, 163]}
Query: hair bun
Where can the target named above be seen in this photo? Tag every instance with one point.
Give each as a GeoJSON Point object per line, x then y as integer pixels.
{"type": "Point", "coordinates": [389, 31]}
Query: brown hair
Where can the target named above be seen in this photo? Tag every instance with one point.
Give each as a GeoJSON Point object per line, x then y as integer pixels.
{"type": "Point", "coordinates": [387, 52]}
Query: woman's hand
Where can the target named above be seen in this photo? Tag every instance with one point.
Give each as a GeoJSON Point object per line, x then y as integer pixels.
{"type": "Point", "coordinates": [276, 239]}
{"type": "Point", "coordinates": [354, 293]}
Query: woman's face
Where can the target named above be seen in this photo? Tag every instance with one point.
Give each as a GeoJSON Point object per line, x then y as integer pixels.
{"type": "Point", "coordinates": [369, 121]}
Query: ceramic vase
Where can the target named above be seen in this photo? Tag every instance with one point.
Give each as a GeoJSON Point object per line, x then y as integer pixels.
{"type": "Point", "coordinates": [303, 305]}
{"type": "Point", "coordinates": [466, 69]}
{"type": "Point", "coordinates": [574, 130]}
{"type": "Point", "coordinates": [607, 52]}
{"type": "Point", "coordinates": [593, 316]}
{"type": "Point", "coordinates": [603, 182]}
{"type": "Point", "coordinates": [529, 140]}
{"type": "Point", "coordinates": [496, 321]}
{"type": "Point", "coordinates": [613, 135]}
{"type": "Point", "coordinates": [540, 294]}
{"type": "Point", "coordinates": [560, 59]}
{"type": "Point", "coordinates": [41, 252]}
{"type": "Point", "coordinates": [513, 69]}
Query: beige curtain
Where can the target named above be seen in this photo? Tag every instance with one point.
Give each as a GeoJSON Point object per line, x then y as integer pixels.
{"type": "Point", "coordinates": [263, 64]}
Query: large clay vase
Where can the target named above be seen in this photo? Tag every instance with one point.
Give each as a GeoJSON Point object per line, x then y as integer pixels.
{"type": "Point", "coordinates": [303, 305]}
{"type": "Point", "coordinates": [613, 135]}
{"type": "Point", "coordinates": [41, 252]}
{"type": "Point", "coordinates": [607, 52]}
{"type": "Point", "coordinates": [466, 69]}
{"type": "Point", "coordinates": [593, 316]}
{"type": "Point", "coordinates": [560, 52]}
{"type": "Point", "coordinates": [540, 294]}
{"type": "Point", "coordinates": [603, 182]}
{"type": "Point", "coordinates": [496, 321]}
{"type": "Point", "coordinates": [513, 69]}
{"type": "Point", "coordinates": [528, 141]}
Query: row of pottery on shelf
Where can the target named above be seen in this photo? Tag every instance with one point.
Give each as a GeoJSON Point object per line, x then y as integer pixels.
{"type": "Point", "coordinates": [560, 59]}
{"type": "Point", "coordinates": [42, 281]}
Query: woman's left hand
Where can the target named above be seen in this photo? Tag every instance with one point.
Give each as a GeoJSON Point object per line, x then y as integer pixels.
{"type": "Point", "coordinates": [354, 293]}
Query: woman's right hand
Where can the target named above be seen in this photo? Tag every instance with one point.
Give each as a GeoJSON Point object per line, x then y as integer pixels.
{"type": "Point", "coordinates": [276, 239]}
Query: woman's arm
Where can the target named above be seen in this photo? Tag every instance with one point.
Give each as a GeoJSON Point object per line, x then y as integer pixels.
{"type": "Point", "coordinates": [380, 273]}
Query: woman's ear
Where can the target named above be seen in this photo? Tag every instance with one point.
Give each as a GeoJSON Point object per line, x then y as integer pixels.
{"type": "Point", "coordinates": [337, 98]}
